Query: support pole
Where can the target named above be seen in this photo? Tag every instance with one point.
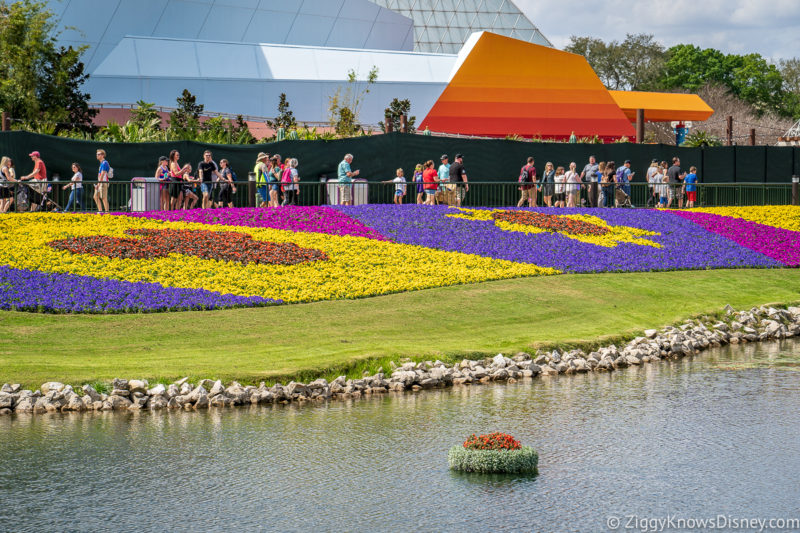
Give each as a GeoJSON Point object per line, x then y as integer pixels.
{"type": "Point", "coordinates": [5, 122]}
{"type": "Point", "coordinates": [752, 136]}
{"type": "Point", "coordinates": [729, 131]}
{"type": "Point", "coordinates": [388, 126]}
{"type": "Point", "coordinates": [404, 123]}
{"type": "Point", "coordinates": [795, 190]}
{"type": "Point", "coordinates": [640, 126]}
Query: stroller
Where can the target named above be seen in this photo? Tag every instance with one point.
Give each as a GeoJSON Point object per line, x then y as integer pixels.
{"type": "Point", "coordinates": [621, 198]}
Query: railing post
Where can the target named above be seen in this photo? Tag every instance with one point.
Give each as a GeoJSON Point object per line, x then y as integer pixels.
{"type": "Point", "coordinates": [795, 190]}
{"type": "Point", "coordinates": [251, 189]}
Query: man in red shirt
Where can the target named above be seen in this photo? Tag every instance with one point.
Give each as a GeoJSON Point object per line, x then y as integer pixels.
{"type": "Point", "coordinates": [39, 174]}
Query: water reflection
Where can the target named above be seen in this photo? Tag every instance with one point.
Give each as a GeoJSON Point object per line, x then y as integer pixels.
{"type": "Point", "coordinates": [715, 435]}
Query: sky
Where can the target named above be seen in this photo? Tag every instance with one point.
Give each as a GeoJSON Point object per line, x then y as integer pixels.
{"type": "Point", "coordinates": [768, 27]}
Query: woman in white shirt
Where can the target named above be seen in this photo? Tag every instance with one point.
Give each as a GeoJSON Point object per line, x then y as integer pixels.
{"type": "Point", "coordinates": [574, 187]}
{"type": "Point", "coordinates": [76, 186]}
{"type": "Point", "coordinates": [7, 187]}
{"type": "Point", "coordinates": [560, 178]}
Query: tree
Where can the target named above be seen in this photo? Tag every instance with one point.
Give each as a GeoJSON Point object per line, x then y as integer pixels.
{"type": "Point", "coordinates": [61, 99]}
{"type": "Point", "coordinates": [749, 77]}
{"type": "Point", "coordinates": [634, 64]}
{"type": "Point", "coordinates": [145, 116]}
{"type": "Point", "coordinates": [285, 118]}
{"type": "Point", "coordinates": [39, 80]}
{"type": "Point", "coordinates": [184, 122]}
{"type": "Point", "coordinates": [396, 109]}
{"type": "Point", "coordinates": [344, 106]}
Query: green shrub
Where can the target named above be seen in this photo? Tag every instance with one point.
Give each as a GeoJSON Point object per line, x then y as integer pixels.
{"type": "Point", "coordinates": [522, 461]}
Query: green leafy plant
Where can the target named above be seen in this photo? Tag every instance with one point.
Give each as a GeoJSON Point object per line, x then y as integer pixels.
{"type": "Point", "coordinates": [522, 461]}
{"type": "Point", "coordinates": [397, 108]}
{"type": "Point", "coordinates": [285, 118]}
{"type": "Point", "coordinates": [344, 105]}
{"type": "Point", "coordinates": [700, 138]}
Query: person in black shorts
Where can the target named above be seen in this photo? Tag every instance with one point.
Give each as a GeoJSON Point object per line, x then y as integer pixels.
{"type": "Point", "coordinates": [458, 177]}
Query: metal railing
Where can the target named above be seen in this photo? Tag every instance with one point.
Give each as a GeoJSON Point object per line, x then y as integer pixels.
{"type": "Point", "coordinates": [145, 194]}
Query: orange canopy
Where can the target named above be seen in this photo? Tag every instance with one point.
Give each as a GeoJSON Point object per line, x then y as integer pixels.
{"type": "Point", "coordinates": [662, 107]}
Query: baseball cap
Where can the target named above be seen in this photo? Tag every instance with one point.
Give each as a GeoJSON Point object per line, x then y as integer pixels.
{"type": "Point", "coordinates": [163, 158]}
{"type": "Point", "coordinates": [34, 154]}
{"type": "Point", "coordinates": [444, 156]}
{"type": "Point", "coordinates": [459, 156]}
{"type": "Point", "coordinates": [654, 161]}
{"type": "Point", "coordinates": [627, 161]}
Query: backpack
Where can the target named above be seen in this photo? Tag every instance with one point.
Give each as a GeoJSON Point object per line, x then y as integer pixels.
{"type": "Point", "coordinates": [110, 172]}
{"type": "Point", "coordinates": [524, 175]}
{"type": "Point", "coordinates": [621, 174]}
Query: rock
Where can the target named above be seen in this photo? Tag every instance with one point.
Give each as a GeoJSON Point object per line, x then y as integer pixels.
{"type": "Point", "coordinates": [120, 392]}
{"type": "Point", "coordinates": [157, 402]}
{"type": "Point", "coordinates": [180, 382]}
{"type": "Point", "coordinates": [500, 375]}
{"type": "Point", "coordinates": [51, 385]}
{"type": "Point", "coordinates": [202, 401]}
{"type": "Point", "coordinates": [158, 390]}
{"type": "Point", "coordinates": [220, 400]}
{"type": "Point", "coordinates": [728, 309]}
{"type": "Point", "coordinates": [555, 357]}
{"type": "Point", "coordinates": [206, 384]}
{"type": "Point", "coordinates": [299, 389]}
{"type": "Point", "coordinates": [25, 405]}
{"type": "Point", "coordinates": [121, 384]}
{"type": "Point", "coordinates": [138, 385]}
{"type": "Point", "coordinates": [650, 333]}
{"type": "Point", "coordinates": [74, 403]}
{"type": "Point", "coordinates": [186, 388]}
{"type": "Point", "coordinates": [499, 361]}
{"type": "Point", "coordinates": [10, 388]}
{"type": "Point", "coordinates": [116, 402]}
{"type": "Point", "coordinates": [218, 388]}
{"type": "Point", "coordinates": [7, 400]}
{"type": "Point", "coordinates": [173, 391]}
{"type": "Point", "coordinates": [89, 391]}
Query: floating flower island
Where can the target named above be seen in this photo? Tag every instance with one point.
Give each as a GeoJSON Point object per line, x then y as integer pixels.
{"type": "Point", "coordinates": [495, 453]}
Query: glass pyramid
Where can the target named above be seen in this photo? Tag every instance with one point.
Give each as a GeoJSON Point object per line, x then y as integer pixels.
{"type": "Point", "coordinates": [443, 26]}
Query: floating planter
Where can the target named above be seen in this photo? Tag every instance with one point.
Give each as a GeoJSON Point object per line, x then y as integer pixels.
{"type": "Point", "coordinates": [495, 453]}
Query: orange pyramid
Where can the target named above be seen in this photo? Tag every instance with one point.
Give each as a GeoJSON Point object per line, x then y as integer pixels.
{"type": "Point", "coordinates": [503, 86]}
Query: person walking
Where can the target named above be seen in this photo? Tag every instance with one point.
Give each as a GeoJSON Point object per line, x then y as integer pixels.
{"type": "Point", "coordinates": [399, 186]}
{"type": "Point", "coordinates": [208, 174]}
{"type": "Point", "coordinates": [443, 195]}
{"type": "Point", "coordinates": [101, 187]}
{"type": "Point", "coordinates": [573, 179]}
{"type": "Point", "coordinates": [39, 176]}
{"type": "Point", "coordinates": [227, 186]}
{"type": "Point", "coordinates": [601, 172]}
{"type": "Point", "coordinates": [589, 175]}
{"type": "Point", "coordinates": [653, 173]}
{"type": "Point", "coordinates": [346, 175]}
{"type": "Point", "coordinates": [420, 184]}
{"type": "Point", "coordinates": [429, 177]}
{"type": "Point", "coordinates": [261, 171]}
{"type": "Point", "coordinates": [608, 183]}
{"type": "Point", "coordinates": [176, 173]}
{"type": "Point", "coordinates": [162, 175]}
{"type": "Point", "coordinates": [676, 176]}
{"type": "Point", "coordinates": [548, 183]}
{"type": "Point", "coordinates": [7, 187]}
{"type": "Point", "coordinates": [527, 184]}
{"type": "Point", "coordinates": [458, 179]}
{"type": "Point", "coordinates": [560, 179]}
{"type": "Point", "coordinates": [274, 178]}
{"type": "Point", "coordinates": [288, 179]}
{"type": "Point", "coordinates": [623, 179]}
{"type": "Point", "coordinates": [690, 182]}
{"type": "Point", "coordinates": [76, 187]}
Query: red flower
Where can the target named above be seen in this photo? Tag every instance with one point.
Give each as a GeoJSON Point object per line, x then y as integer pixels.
{"type": "Point", "coordinates": [222, 246]}
{"type": "Point", "coordinates": [492, 441]}
{"type": "Point", "coordinates": [549, 222]}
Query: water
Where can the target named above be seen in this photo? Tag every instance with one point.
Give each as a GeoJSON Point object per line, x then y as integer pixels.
{"type": "Point", "coordinates": [715, 436]}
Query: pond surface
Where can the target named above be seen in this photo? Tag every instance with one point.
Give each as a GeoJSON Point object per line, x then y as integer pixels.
{"type": "Point", "coordinates": [714, 436]}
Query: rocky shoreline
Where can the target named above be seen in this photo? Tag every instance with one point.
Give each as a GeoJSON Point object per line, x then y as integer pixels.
{"type": "Point", "coordinates": [692, 337]}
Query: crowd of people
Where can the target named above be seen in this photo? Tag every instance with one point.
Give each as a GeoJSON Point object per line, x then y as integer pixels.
{"type": "Point", "coordinates": [604, 184]}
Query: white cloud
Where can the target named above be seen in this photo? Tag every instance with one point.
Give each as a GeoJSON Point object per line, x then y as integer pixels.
{"type": "Point", "coordinates": [771, 28]}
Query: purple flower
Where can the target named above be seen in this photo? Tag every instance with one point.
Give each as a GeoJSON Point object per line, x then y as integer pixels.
{"type": "Point", "coordinates": [684, 245]}
{"type": "Point", "coordinates": [30, 290]}
{"type": "Point", "coordinates": [780, 244]}
{"type": "Point", "coordinates": [292, 218]}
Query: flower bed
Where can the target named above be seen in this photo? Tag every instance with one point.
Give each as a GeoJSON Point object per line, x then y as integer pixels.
{"type": "Point", "coordinates": [777, 216]}
{"type": "Point", "coordinates": [638, 240]}
{"type": "Point", "coordinates": [495, 453]}
{"type": "Point", "coordinates": [260, 257]}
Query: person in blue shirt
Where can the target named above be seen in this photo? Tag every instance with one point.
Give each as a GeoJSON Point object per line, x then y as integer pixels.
{"type": "Point", "coordinates": [690, 181]}
{"type": "Point", "coordinates": [101, 187]}
{"type": "Point", "coordinates": [346, 175]}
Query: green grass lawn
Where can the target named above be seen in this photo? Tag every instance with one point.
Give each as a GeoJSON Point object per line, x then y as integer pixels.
{"type": "Point", "coordinates": [328, 337]}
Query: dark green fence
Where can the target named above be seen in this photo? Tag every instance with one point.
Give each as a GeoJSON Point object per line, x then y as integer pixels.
{"type": "Point", "coordinates": [379, 156]}
{"type": "Point", "coordinates": [146, 196]}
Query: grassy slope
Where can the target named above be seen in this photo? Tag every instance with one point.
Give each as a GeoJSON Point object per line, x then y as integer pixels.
{"type": "Point", "coordinates": [254, 344]}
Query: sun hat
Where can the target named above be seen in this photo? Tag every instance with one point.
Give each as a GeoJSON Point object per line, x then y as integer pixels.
{"type": "Point", "coordinates": [261, 155]}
